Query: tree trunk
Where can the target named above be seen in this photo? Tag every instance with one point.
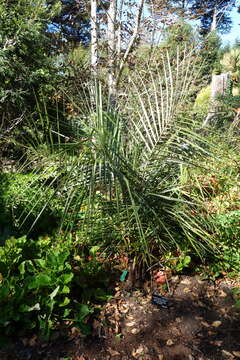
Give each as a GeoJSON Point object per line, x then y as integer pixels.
{"type": "Point", "coordinates": [94, 38]}
{"type": "Point", "coordinates": [214, 20]}
{"type": "Point", "coordinates": [115, 66]}
{"type": "Point", "coordinates": [219, 86]}
{"type": "Point", "coordinates": [112, 47]}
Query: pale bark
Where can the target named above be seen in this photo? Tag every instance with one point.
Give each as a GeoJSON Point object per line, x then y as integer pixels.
{"type": "Point", "coordinates": [219, 86]}
{"type": "Point", "coordinates": [94, 38]}
{"type": "Point", "coordinates": [214, 20]}
{"type": "Point", "coordinates": [119, 30]}
{"type": "Point", "coordinates": [112, 48]}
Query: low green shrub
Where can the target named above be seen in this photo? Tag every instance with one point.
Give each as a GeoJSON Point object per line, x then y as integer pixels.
{"type": "Point", "coordinates": [18, 193]}
{"type": "Point", "coordinates": [214, 189]}
{"type": "Point", "coordinates": [202, 101]}
{"type": "Point", "coordinates": [46, 281]}
{"type": "Point", "coordinates": [177, 261]}
{"type": "Point", "coordinates": [228, 234]}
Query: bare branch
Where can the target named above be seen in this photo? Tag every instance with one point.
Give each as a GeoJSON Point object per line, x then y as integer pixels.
{"type": "Point", "coordinates": [132, 40]}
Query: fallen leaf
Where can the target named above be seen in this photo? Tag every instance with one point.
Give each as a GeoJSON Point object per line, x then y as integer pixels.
{"type": "Point", "coordinates": [113, 352]}
{"type": "Point", "coordinates": [96, 324]}
{"type": "Point", "coordinates": [33, 340]}
{"type": "Point", "coordinates": [186, 290]}
{"type": "Point", "coordinates": [236, 353]}
{"type": "Point", "coordinates": [124, 311]}
{"type": "Point", "coordinates": [75, 331]}
{"type": "Point", "coordinates": [186, 282]}
{"type": "Point", "coordinates": [210, 333]}
{"type": "Point", "coordinates": [178, 320]}
{"type": "Point", "coordinates": [204, 323]}
{"type": "Point", "coordinates": [131, 323]}
{"type": "Point", "coordinates": [25, 341]}
{"type": "Point", "coordinates": [227, 353]}
{"type": "Point", "coordinates": [169, 342]}
{"type": "Point", "coordinates": [117, 317]}
{"type": "Point", "coordinates": [223, 310]}
{"type": "Point", "coordinates": [141, 350]}
{"type": "Point", "coordinates": [200, 303]}
{"type": "Point", "coordinates": [135, 331]}
{"type": "Point", "coordinates": [216, 324]}
{"type": "Point", "coordinates": [221, 293]}
{"type": "Point", "coordinates": [217, 342]}
{"type": "Point", "coordinates": [144, 302]}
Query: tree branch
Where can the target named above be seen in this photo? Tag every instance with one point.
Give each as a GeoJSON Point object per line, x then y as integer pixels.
{"type": "Point", "coordinates": [132, 40]}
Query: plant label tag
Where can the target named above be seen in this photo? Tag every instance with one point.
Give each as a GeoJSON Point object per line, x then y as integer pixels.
{"type": "Point", "coordinates": [160, 301]}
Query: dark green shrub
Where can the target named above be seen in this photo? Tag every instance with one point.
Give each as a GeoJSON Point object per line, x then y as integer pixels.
{"type": "Point", "coordinates": [27, 66]}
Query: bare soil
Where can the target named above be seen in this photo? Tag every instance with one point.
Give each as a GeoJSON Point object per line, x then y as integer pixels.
{"type": "Point", "coordinates": [199, 323]}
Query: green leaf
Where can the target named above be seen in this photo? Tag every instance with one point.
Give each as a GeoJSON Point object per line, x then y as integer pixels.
{"type": "Point", "coordinates": [4, 290]}
{"type": "Point", "coordinates": [39, 281]}
{"type": "Point", "coordinates": [85, 328]}
{"type": "Point", "coordinates": [26, 308]}
{"type": "Point", "coordinates": [66, 278]}
{"type": "Point", "coordinates": [40, 262]}
{"type": "Point", "coordinates": [94, 250]}
{"type": "Point", "coordinates": [54, 293]}
{"type": "Point", "coordinates": [66, 312]}
{"type": "Point", "coordinates": [22, 268]}
{"type": "Point", "coordinates": [237, 305]}
{"type": "Point", "coordinates": [83, 312]}
{"type": "Point", "coordinates": [26, 265]}
{"type": "Point", "coordinates": [65, 290]}
{"type": "Point", "coordinates": [65, 302]}
{"type": "Point", "coordinates": [236, 291]}
{"type": "Point", "coordinates": [187, 260]}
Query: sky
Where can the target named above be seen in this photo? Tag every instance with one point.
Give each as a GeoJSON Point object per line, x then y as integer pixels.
{"type": "Point", "coordinates": [235, 32]}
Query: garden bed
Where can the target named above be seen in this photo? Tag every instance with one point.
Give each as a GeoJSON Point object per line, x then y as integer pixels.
{"type": "Point", "coordinates": [199, 322]}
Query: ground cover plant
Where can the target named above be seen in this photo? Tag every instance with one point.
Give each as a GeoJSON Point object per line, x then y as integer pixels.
{"type": "Point", "coordinates": [46, 281]}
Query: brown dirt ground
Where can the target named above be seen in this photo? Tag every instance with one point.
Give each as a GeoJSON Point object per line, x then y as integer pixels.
{"type": "Point", "coordinates": [200, 323]}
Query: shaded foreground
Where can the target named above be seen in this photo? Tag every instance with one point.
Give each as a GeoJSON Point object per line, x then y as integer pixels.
{"type": "Point", "coordinates": [199, 323]}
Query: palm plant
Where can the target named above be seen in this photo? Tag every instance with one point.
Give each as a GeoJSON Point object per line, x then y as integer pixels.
{"type": "Point", "coordinates": [231, 60]}
{"type": "Point", "coordinates": [231, 63]}
{"type": "Point", "coordinates": [119, 175]}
